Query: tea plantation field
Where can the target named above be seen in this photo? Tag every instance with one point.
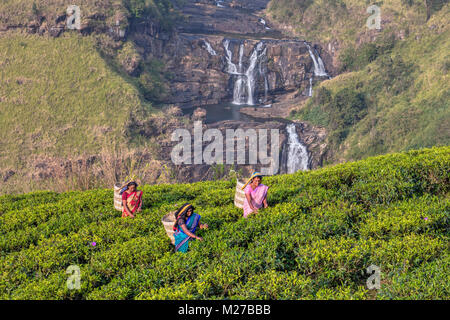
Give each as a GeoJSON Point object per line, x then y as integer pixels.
{"type": "Point", "coordinates": [323, 229]}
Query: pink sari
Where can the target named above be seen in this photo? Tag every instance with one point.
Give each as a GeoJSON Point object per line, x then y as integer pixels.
{"type": "Point", "coordinates": [258, 195]}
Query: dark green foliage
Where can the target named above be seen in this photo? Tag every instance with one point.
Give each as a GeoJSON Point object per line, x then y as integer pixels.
{"type": "Point", "coordinates": [354, 59]}
{"type": "Point", "coordinates": [161, 11]}
{"type": "Point", "coordinates": [152, 80]}
{"type": "Point", "coordinates": [339, 112]}
{"type": "Point", "coordinates": [34, 9]}
{"type": "Point", "coordinates": [322, 230]}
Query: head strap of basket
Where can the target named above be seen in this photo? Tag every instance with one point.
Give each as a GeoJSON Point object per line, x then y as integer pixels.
{"type": "Point", "coordinates": [180, 212]}
{"type": "Point", "coordinates": [126, 185]}
{"type": "Point", "coordinates": [254, 175]}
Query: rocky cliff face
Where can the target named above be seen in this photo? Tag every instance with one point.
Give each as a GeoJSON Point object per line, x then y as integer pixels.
{"type": "Point", "coordinates": [202, 77]}
{"type": "Point", "coordinates": [224, 52]}
{"type": "Point", "coordinates": [211, 38]}
{"type": "Point", "coordinates": [221, 52]}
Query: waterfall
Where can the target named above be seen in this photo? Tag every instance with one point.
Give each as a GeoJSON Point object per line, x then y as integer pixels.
{"type": "Point", "coordinates": [319, 67]}
{"type": "Point", "coordinates": [244, 84]}
{"type": "Point", "coordinates": [262, 73]}
{"type": "Point", "coordinates": [263, 22]}
{"type": "Point", "coordinates": [241, 55]}
{"type": "Point", "coordinates": [209, 48]}
{"type": "Point", "coordinates": [239, 90]}
{"type": "Point", "coordinates": [310, 87]}
{"type": "Point", "coordinates": [297, 158]}
{"type": "Point", "coordinates": [239, 86]}
{"type": "Point", "coordinates": [251, 74]}
{"type": "Point", "coordinates": [232, 69]}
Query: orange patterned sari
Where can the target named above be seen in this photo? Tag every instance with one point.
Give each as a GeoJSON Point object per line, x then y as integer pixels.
{"type": "Point", "coordinates": [134, 202]}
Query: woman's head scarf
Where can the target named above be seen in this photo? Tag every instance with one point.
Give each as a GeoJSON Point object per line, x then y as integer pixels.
{"type": "Point", "coordinates": [126, 186]}
{"type": "Point", "coordinates": [254, 175]}
{"type": "Point", "coordinates": [181, 212]}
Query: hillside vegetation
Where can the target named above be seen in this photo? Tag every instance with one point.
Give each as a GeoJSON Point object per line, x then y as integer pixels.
{"type": "Point", "coordinates": [322, 230]}
{"type": "Point", "coordinates": [59, 100]}
{"type": "Point", "coordinates": [345, 21]}
{"type": "Point", "coordinates": [75, 97]}
{"type": "Point", "coordinates": [94, 14]}
{"type": "Point", "coordinates": [392, 91]}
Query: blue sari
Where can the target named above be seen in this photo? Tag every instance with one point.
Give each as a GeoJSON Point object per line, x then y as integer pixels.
{"type": "Point", "coordinates": [182, 239]}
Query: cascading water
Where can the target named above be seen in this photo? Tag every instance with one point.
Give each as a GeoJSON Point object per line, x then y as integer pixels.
{"type": "Point", "coordinates": [319, 67]}
{"type": "Point", "coordinates": [310, 87]}
{"type": "Point", "coordinates": [262, 73]}
{"type": "Point", "coordinates": [251, 72]}
{"type": "Point", "coordinates": [297, 158]}
{"type": "Point", "coordinates": [244, 85]}
{"type": "Point", "coordinates": [210, 49]}
{"type": "Point", "coordinates": [232, 68]}
{"type": "Point", "coordinates": [263, 22]}
{"type": "Point", "coordinates": [240, 84]}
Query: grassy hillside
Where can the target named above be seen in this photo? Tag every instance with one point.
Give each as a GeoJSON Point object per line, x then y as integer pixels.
{"type": "Point", "coordinates": [94, 13]}
{"type": "Point", "coordinates": [344, 21]}
{"type": "Point", "coordinates": [393, 92]}
{"type": "Point", "coordinates": [398, 102]}
{"type": "Point", "coordinates": [70, 95]}
{"type": "Point", "coordinates": [60, 99]}
{"type": "Point", "coordinates": [77, 96]}
{"type": "Point", "coordinates": [322, 230]}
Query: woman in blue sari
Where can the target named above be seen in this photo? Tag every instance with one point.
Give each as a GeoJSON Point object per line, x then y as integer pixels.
{"type": "Point", "coordinates": [186, 223]}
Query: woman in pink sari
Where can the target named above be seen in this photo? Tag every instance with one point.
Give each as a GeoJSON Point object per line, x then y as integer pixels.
{"type": "Point", "coordinates": [255, 194]}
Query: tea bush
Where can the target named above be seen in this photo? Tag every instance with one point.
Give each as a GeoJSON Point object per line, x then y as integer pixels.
{"type": "Point", "coordinates": [322, 230]}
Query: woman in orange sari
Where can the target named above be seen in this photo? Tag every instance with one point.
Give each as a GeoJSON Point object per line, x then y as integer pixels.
{"type": "Point", "coordinates": [131, 200]}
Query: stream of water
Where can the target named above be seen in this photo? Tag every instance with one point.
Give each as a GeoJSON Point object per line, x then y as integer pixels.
{"type": "Point", "coordinates": [297, 158]}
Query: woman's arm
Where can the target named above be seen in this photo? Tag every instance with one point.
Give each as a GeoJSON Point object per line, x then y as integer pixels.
{"type": "Point", "coordinates": [124, 202]}
{"type": "Point", "coordinates": [249, 199]}
{"type": "Point", "coordinates": [190, 234]}
{"type": "Point", "coordinates": [265, 203]}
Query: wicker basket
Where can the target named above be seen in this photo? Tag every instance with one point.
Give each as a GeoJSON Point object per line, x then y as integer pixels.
{"type": "Point", "coordinates": [239, 196]}
{"type": "Point", "coordinates": [168, 221]}
{"type": "Point", "coordinates": [117, 197]}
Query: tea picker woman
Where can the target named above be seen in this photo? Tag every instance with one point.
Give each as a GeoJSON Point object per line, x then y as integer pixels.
{"type": "Point", "coordinates": [131, 200]}
{"type": "Point", "coordinates": [255, 194]}
{"type": "Point", "coordinates": [186, 223]}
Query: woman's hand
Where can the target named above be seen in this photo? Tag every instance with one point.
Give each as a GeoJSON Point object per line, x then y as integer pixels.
{"type": "Point", "coordinates": [199, 238]}
{"type": "Point", "coordinates": [204, 226]}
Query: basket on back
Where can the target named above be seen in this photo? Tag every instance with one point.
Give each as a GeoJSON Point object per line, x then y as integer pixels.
{"type": "Point", "coordinates": [239, 196]}
{"type": "Point", "coordinates": [117, 197]}
{"type": "Point", "coordinates": [168, 221]}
